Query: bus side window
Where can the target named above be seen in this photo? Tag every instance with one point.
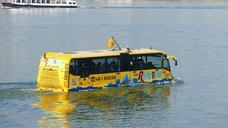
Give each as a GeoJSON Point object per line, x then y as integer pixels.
{"type": "Point", "coordinates": [88, 66]}
{"type": "Point", "coordinates": [99, 66]}
{"type": "Point", "coordinates": [84, 67]}
{"type": "Point", "coordinates": [73, 67]}
{"type": "Point", "coordinates": [154, 61]}
{"type": "Point", "coordinates": [138, 62]}
{"type": "Point", "coordinates": [113, 64]}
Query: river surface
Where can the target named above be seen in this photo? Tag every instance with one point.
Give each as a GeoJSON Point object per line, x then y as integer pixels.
{"type": "Point", "coordinates": [195, 31]}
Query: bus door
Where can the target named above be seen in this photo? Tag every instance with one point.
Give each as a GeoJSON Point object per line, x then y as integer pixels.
{"type": "Point", "coordinates": [125, 68]}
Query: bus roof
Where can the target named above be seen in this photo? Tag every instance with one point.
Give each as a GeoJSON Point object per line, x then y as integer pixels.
{"type": "Point", "coordinates": [100, 53]}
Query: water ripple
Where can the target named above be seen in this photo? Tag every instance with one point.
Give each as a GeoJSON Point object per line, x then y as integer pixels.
{"type": "Point", "coordinates": [158, 7]}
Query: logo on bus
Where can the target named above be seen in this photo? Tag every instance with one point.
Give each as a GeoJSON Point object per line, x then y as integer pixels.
{"type": "Point", "coordinates": [149, 75]}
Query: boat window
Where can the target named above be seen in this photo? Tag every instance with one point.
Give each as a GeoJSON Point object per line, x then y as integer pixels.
{"type": "Point", "coordinates": [64, 2]}
{"type": "Point", "coordinates": [48, 1]}
{"type": "Point", "coordinates": [138, 62]}
{"type": "Point", "coordinates": [73, 2]}
{"type": "Point", "coordinates": [23, 1]}
{"type": "Point", "coordinates": [43, 1]}
{"type": "Point", "coordinates": [33, 1]}
{"type": "Point", "coordinates": [154, 61]}
{"type": "Point", "coordinates": [69, 2]}
{"type": "Point", "coordinates": [18, 1]}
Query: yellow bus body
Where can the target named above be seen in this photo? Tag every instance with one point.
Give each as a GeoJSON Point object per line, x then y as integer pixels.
{"type": "Point", "coordinates": [54, 72]}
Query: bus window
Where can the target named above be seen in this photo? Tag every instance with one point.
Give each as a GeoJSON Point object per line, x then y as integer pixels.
{"type": "Point", "coordinates": [113, 64]}
{"type": "Point", "coordinates": [166, 64]}
{"type": "Point", "coordinates": [84, 66]}
{"type": "Point", "coordinates": [98, 65]}
{"type": "Point", "coordinates": [87, 66]}
{"type": "Point", "coordinates": [73, 67]}
{"type": "Point", "coordinates": [138, 62]}
{"type": "Point", "coordinates": [154, 61]}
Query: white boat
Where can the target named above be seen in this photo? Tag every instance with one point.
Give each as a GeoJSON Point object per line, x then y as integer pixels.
{"type": "Point", "coordinates": [40, 3]}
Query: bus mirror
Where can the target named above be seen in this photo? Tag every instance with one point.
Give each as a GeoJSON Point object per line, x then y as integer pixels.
{"type": "Point", "coordinates": [173, 58]}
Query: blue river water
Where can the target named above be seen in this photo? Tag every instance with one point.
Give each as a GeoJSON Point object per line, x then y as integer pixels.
{"type": "Point", "coordinates": [195, 31]}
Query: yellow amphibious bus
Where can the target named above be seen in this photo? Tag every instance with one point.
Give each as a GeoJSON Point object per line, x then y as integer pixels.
{"type": "Point", "coordinates": [97, 69]}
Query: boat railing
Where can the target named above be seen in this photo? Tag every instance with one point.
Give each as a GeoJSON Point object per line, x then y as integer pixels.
{"type": "Point", "coordinates": [68, 2]}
